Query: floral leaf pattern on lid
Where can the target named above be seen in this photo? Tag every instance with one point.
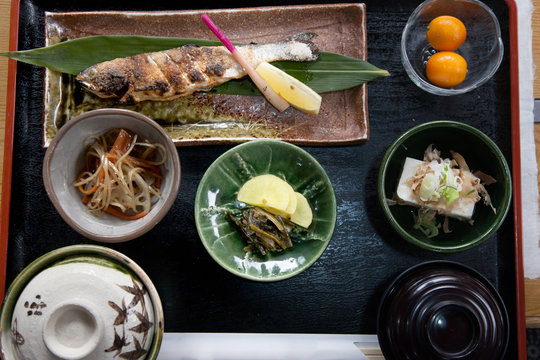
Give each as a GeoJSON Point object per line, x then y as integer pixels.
{"type": "Point", "coordinates": [143, 327]}
{"type": "Point", "coordinates": [137, 291]}
{"type": "Point", "coordinates": [118, 343]}
{"type": "Point", "coordinates": [135, 354]}
{"type": "Point", "coordinates": [122, 312]}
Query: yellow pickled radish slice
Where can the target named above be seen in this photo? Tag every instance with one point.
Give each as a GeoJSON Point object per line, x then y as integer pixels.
{"type": "Point", "coordinates": [268, 191]}
{"type": "Point", "coordinates": [293, 202]}
{"type": "Point", "coordinates": [298, 94]}
{"type": "Point", "coordinates": [291, 208]}
{"type": "Point", "coordinates": [303, 215]}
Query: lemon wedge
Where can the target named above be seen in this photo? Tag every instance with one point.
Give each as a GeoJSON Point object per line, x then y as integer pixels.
{"type": "Point", "coordinates": [298, 94]}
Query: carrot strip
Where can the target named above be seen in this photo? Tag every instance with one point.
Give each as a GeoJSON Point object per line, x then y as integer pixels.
{"type": "Point", "coordinates": [122, 142]}
{"type": "Point", "coordinates": [112, 211]}
{"type": "Point", "coordinates": [88, 192]}
{"type": "Point", "coordinates": [101, 175]}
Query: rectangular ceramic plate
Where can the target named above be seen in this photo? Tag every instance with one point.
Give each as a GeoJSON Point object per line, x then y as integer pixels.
{"type": "Point", "coordinates": [211, 118]}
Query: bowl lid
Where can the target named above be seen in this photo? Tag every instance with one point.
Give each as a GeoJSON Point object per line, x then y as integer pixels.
{"type": "Point", "coordinates": [83, 307]}
{"type": "Point", "coordinates": [442, 310]}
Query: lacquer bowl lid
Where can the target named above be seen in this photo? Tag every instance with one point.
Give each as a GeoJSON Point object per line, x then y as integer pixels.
{"type": "Point", "coordinates": [442, 310]}
{"type": "Point", "coordinates": [81, 302]}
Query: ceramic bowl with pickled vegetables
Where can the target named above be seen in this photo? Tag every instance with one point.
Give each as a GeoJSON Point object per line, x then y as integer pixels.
{"type": "Point", "coordinates": [265, 210]}
{"type": "Point", "coordinates": [81, 302]}
{"type": "Point", "coordinates": [112, 174]}
{"type": "Point", "coordinates": [450, 47]}
{"type": "Point", "coordinates": [444, 186]}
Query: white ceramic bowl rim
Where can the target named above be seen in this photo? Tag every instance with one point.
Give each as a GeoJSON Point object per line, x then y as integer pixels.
{"type": "Point", "coordinates": [144, 224]}
{"type": "Point", "coordinates": [427, 86]}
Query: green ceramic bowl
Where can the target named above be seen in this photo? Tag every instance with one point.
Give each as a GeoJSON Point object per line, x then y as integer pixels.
{"type": "Point", "coordinates": [219, 187]}
{"type": "Point", "coordinates": [93, 254]}
{"type": "Point", "coordinates": [480, 153]}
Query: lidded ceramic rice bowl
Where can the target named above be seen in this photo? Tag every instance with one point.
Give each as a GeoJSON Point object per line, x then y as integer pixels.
{"type": "Point", "coordinates": [81, 302]}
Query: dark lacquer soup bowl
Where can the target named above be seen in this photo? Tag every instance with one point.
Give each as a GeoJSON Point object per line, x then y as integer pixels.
{"type": "Point", "coordinates": [442, 310]}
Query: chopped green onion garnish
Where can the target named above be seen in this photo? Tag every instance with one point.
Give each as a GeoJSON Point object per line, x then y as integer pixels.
{"type": "Point", "coordinates": [450, 193]}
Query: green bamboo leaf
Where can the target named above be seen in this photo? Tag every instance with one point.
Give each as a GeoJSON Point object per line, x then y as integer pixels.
{"type": "Point", "coordinates": [332, 72]}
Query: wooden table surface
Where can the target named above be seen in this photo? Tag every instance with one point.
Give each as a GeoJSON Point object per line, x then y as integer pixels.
{"type": "Point", "coordinates": [532, 287]}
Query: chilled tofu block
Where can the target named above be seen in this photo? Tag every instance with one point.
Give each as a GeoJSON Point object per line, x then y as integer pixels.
{"type": "Point", "coordinates": [404, 191]}
{"type": "Point", "coordinates": [462, 208]}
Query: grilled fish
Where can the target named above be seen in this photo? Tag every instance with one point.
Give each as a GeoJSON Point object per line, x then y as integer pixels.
{"type": "Point", "coordinates": [166, 75]}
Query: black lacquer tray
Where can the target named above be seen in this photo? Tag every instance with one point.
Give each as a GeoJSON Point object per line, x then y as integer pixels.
{"type": "Point", "coordinates": [341, 292]}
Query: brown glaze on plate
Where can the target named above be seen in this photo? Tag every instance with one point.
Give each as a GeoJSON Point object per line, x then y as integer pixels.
{"type": "Point", "coordinates": [211, 118]}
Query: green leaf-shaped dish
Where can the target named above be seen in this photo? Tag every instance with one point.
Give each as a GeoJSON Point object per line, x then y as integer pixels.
{"type": "Point", "coordinates": [217, 194]}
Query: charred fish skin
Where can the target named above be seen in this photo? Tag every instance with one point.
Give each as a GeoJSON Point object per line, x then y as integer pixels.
{"type": "Point", "coordinates": [169, 74]}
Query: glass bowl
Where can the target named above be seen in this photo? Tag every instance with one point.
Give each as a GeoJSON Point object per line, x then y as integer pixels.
{"type": "Point", "coordinates": [480, 153]}
{"type": "Point", "coordinates": [483, 48]}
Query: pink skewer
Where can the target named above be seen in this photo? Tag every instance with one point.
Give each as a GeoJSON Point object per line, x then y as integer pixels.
{"type": "Point", "coordinates": [277, 101]}
{"type": "Point", "coordinates": [220, 35]}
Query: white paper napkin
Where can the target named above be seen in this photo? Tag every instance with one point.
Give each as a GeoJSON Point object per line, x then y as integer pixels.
{"type": "Point", "coordinates": [228, 346]}
{"type": "Point", "coordinates": [529, 170]}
